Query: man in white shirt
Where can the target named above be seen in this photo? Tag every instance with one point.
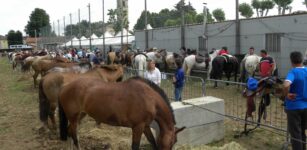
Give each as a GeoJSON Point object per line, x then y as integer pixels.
{"type": "Point", "coordinates": [153, 73]}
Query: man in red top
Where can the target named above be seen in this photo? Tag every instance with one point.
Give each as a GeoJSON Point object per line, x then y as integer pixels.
{"type": "Point", "coordinates": [267, 64]}
{"type": "Point", "coordinates": [223, 51]}
{"type": "Point", "coordinates": [266, 68]}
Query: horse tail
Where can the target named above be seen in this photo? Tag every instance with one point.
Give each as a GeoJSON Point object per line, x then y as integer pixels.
{"type": "Point", "coordinates": [44, 105]}
{"type": "Point", "coordinates": [63, 123]}
{"type": "Point", "coordinates": [25, 66]}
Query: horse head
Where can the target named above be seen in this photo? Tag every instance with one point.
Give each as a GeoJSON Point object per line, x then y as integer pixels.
{"type": "Point", "coordinates": [116, 72]}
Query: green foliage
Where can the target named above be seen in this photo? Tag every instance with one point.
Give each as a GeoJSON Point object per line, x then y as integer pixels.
{"type": "Point", "coordinates": [115, 19]}
{"type": "Point", "coordinates": [172, 17]}
{"type": "Point", "coordinates": [266, 5]}
{"type": "Point", "coordinates": [37, 20]}
{"type": "Point", "coordinates": [171, 22]}
{"type": "Point", "coordinates": [97, 28]}
{"type": "Point", "coordinates": [246, 10]}
{"type": "Point", "coordinates": [283, 5]}
{"type": "Point", "coordinates": [219, 14]}
{"type": "Point", "coordinates": [262, 7]}
{"type": "Point", "coordinates": [14, 38]}
{"type": "Point", "coordinates": [256, 4]}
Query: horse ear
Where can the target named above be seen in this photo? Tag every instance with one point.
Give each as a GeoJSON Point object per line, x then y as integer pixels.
{"type": "Point", "coordinates": [177, 130]}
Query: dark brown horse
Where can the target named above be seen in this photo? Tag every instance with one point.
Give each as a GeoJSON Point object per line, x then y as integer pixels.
{"type": "Point", "coordinates": [51, 84]}
{"type": "Point", "coordinates": [135, 103]}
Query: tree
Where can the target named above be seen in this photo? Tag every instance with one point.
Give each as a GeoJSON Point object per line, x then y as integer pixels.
{"type": "Point", "coordinates": [14, 38]}
{"type": "Point", "coordinates": [256, 5]}
{"type": "Point", "coordinates": [140, 23]}
{"type": "Point", "coordinates": [266, 5]}
{"type": "Point", "coordinates": [283, 5]}
{"type": "Point", "coordinates": [246, 10]}
{"type": "Point", "coordinates": [37, 20]}
{"type": "Point", "coordinates": [219, 15]}
{"type": "Point", "coordinates": [112, 16]}
{"type": "Point", "coordinates": [167, 17]}
{"type": "Point", "coordinates": [171, 22]}
{"type": "Point", "coordinates": [200, 17]}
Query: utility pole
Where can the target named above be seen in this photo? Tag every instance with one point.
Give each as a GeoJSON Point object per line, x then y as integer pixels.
{"type": "Point", "coordinates": [104, 31]}
{"type": "Point", "coordinates": [59, 34]}
{"type": "Point", "coordinates": [64, 31]}
{"type": "Point", "coordinates": [35, 34]}
{"type": "Point", "coordinates": [146, 30]}
{"type": "Point", "coordinates": [238, 42]}
{"type": "Point", "coordinates": [121, 24]}
{"type": "Point", "coordinates": [71, 45]}
{"type": "Point", "coordinates": [79, 28]}
{"type": "Point", "coordinates": [90, 26]}
{"type": "Point", "coordinates": [205, 37]}
{"type": "Point", "coordinates": [182, 25]}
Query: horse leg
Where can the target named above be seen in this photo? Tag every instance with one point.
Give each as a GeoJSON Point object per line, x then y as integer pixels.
{"type": "Point", "coordinates": [72, 130]}
{"type": "Point", "coordinates": [150, 137]}
{"type": "Point", "coordinates": [34, 78]}
{"type": "Point", "coordinates": [52, 116]}
{"type": "Point", "coordinates": [228, 79]}
{"type": "Point", "coordinates": [136, 136]}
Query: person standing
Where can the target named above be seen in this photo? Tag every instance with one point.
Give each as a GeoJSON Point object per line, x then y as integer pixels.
{"type": "Point", "coordinates": [266, 68]}
{"type": "Point", "coordinates": [295, 89]}
{"type": "Point", "coordinates": [153, 73]}
{"type": "Point", "coordinates": [178, 80]}
{"type": "Point", "coordinates": [267, 64]}
{"type": "Point", "coordinates": [251, 52]}
{"type": "Point", "coordinates": [223, 51]}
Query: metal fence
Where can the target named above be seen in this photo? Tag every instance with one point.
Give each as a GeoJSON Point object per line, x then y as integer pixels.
{"type": "Point", "coordinates": [193, 87]}
{"type": "Point", "coordinates": [236, 105]}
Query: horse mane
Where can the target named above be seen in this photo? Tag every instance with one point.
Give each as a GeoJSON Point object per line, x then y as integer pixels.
{"type": "Point", "coordinates": [159, 91]}
{"type": "Point", "coordinates": [110, 67]}
{"type": "Point", "coordinates": [141, 54]}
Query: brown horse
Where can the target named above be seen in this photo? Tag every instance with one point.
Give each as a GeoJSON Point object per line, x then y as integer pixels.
{"type": "Point", "coordinates": [51, 84]}
{"type": "Point", "coordinates": [42, 66]}
{"type": "Point", "coordinates": [135, 103]}
{"type": "Point", "coordinates": [27, 63]}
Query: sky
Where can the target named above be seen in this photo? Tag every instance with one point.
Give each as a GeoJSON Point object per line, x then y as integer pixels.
{"type": "Point", "coordinates": [15, 13]}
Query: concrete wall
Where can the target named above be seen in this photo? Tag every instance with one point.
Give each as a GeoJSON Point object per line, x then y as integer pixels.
{"type": "Point", "coordinates": [202, 126]}
{"type": "Point", "coordinates": [253, 33]}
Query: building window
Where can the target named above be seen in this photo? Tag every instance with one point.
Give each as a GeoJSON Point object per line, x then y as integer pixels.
{"type": "Point", "coordinates": [273, 42]}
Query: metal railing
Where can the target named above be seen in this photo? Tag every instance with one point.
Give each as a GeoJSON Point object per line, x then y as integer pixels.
{"type": "Point", "coordinates": [193, 87]}
{"type": "Point", "coordinates": [236, 104]}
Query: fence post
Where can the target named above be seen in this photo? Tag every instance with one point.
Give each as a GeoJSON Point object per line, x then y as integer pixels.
{"type": "Point", "coordinates": [203, 85]}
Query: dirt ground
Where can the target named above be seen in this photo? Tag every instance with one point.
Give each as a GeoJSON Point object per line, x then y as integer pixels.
{"type": "Point", "coordinates": [20, 125]}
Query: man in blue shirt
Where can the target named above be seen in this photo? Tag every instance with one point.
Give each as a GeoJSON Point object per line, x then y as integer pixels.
{"type": "Point", "coordinates": [295, 88]}
{"type": "Point", "coordinates": [178, 80]}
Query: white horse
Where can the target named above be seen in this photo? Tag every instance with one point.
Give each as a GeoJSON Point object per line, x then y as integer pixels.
{"type": "Point", "coordinates": [140, 64]}
{"type": "Point", "coordinates": [190, 62]}
{"type": "Point", "coordinates": [250, 65]}
{"type": "Point", "coordinates": [170, 59]}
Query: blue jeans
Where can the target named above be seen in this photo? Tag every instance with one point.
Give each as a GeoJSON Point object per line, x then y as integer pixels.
{"type": "Point", "coordinates": [178, 91]}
